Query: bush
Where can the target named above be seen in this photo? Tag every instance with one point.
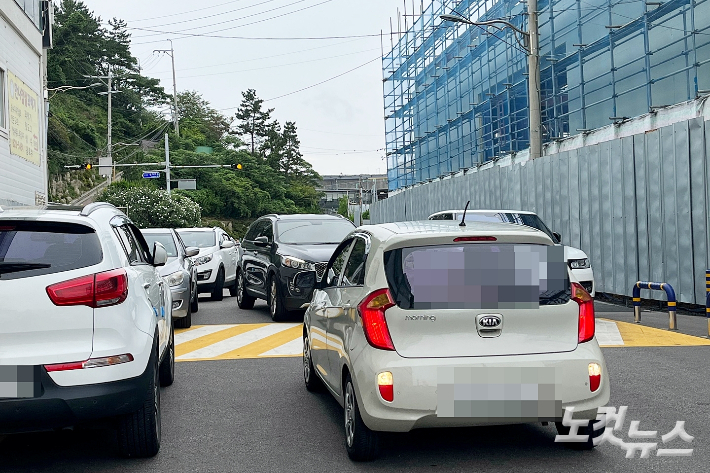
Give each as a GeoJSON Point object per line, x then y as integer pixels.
{"type": "Point", "coordinates": [153, 207]}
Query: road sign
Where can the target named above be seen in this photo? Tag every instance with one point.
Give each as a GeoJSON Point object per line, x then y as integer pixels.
{"type": "Point", "coordinates": [151, 175]}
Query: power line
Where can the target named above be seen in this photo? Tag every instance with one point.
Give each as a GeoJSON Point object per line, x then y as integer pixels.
{"type": "Point", "coordinates": [231, 27]}
{"type": "Point", "coordinates": [186, 12]}
{"type": "Point", "coordinates": [220, 14]}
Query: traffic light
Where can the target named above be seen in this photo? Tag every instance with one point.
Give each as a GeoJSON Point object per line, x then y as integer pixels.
{"type": "Point", "coordinates": [86, 166]}
{"type": "Point", "coordinates": [238, 167]}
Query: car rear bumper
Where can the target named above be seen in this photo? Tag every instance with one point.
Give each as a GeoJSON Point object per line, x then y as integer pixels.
{"type": "Point", "coordinates": [65, 406]}
{"type": "Point", "coordinates": [426, 394]}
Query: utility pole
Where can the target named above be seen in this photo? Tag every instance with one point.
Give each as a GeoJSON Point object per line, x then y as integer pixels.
{"type": "Point", "coordinates": [171, 53]}
{"type": "Point", "coordinates": [167, 164]}
{"type": "Point", "coordinates": [530, 45]}
{"type": "Point", "coordinates": [109, 92]}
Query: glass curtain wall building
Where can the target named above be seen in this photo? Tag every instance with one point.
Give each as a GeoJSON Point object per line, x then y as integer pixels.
{"type": "Point", "coordinates": [456, 95]}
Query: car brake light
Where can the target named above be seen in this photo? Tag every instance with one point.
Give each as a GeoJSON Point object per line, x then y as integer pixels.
{"type": "Point", "coordinates": [385, 383]}
{"type": "Point", "coordinates": [94, 290]}
{"type": "Point", "coordinates": [476, 238]}
{"type": "Point", "coordinates": [595, 376]}
{"type": "Point", "coordinates": [586, 312]}
{"type": "Point", "coordinates": [91, 363]}
{"type": "Point", "coordinates": [372, 310]}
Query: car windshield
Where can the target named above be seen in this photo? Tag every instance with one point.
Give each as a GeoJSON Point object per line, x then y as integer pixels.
{"type": "Point", "coordinates": [36, 248]}
{"type": "Point", "coordinates": [165, 239]}
{"type": "Point", "coordinates": [198, 239]}
{"type": "Point", "coordinates": [313, 232]}
{"type": "Point", "coordinates": [529, 220]}
{"type": "Point", "coordinates": [477, 276]}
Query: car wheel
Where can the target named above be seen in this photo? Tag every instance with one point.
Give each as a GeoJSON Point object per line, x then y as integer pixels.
{"type": "Point", "coordinates": [276, 308]}
{"type": "Point", "coordinates": [244, 300]}
{"type": "Point", "coordinates": [313, 382]}
{"type": "Point", "coordinates": [218, 291]}
{"type": "Point", "coordinates": [588, 430]}
{"type": "Point", "coordinates": [167, 366]}
{"type": "Point", "coordinates": [185, 322]}
{"type": "Point", "coordinates": [139, 432]}
{"type": "Point", "coordinates": [361, 443]}
{"type": "Point", "coordinates": [195, 303]}
{"type": "Point", "coordinates": [233, 290]}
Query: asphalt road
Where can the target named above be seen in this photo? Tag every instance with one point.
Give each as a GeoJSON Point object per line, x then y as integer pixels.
{"type": "Point", "coordinates": [255, 415]}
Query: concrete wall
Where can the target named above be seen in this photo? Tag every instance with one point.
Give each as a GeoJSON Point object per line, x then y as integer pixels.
{"type": "Point", "coordinates": [21, 181]}
{"type": "Point", "coordinates": [637, 205]}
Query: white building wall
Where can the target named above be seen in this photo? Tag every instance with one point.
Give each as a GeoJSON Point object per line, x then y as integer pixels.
{"type": "Point", "coordinates": [21, 182]}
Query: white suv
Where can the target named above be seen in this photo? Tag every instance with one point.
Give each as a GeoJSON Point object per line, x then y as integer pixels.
{"type": "Point", "coordinates": [217, 261]}
{"type": "Point", "coordinates": [85, 326]}
{"type": "Point", "coordinates": [431, 324]}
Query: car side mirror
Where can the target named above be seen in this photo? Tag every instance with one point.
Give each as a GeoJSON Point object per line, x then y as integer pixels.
{"type": "Point", "coordinates": [261, 241]}
{"type": "Point", "coordinates": [226, 244]}
{"type": "Point", "coordinates": [558, 236]}
{"type": "Point", "coordinates": [191, 251]}
{"type": "Point", "coordinates": [160, 256]}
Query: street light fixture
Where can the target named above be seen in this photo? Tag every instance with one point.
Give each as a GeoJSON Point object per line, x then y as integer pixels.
{"type": "Point", "coordinates": [530, 44]}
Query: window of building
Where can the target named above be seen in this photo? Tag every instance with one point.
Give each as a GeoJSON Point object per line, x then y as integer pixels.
{"type": "Point", "coordinates": [3, 101]}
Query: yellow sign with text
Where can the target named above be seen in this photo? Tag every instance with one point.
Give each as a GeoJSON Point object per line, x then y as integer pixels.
{"type": "Point", "coordinates": [24, 120]}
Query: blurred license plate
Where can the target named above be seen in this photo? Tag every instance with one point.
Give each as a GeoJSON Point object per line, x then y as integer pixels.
{"type": "Point", "coordinates": [18, 382]}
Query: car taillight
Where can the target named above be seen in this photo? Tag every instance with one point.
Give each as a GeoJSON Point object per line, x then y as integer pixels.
{"type": "Point", "coordinates": [94, 290]}
{"type": "Point", "coordinates": [385, 383]}
{"type": "Point", "coordinates": [586, 312]}
{"type": "Point", "coordinates": [91, 363]}
{"type": "Point", "coordinates": [372, 310]}
{"type": "Point", "coordinates": [595, 376]}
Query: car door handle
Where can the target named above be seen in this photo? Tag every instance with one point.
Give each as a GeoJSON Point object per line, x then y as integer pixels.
{"type": "Point", "coordinates": [146, 286]}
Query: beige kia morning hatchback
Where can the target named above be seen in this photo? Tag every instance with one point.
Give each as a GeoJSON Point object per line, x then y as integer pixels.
{"type": "Point", "coordinates": [432, 324]}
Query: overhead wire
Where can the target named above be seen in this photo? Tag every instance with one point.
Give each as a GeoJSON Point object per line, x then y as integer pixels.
{"type": "Point", "coordinates": [186, 12]}
{"type": "Point", "coordinates": [220, 14]}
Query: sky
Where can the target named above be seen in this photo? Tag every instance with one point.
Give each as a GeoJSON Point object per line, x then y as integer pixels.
{"type": "Point", "coordinates": [340, 122]}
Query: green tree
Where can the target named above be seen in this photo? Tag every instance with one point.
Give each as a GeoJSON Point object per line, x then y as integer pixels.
{"type": "Point", "coordinates": [151, 208]}
{"type": "Point", "coordinates": [343, 206]}
{"type": "Point", "coordinates": [254, 120]}
{"type": "Point", "coordinates": [199, 122]}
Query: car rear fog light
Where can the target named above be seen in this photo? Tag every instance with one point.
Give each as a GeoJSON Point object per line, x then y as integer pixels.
{"type": "Point", "coordinates": [595, 376]}
{"type": "Point", "coordinates": [91, 363]}
{"type": "Point", "coordinates": [94, 290]}
{"type": "Point", "coordinates": [586, 312]}
{"type": "Point", "coordinates": [372, 311]}
{"type": "Point", "coordinates": [385, 383]}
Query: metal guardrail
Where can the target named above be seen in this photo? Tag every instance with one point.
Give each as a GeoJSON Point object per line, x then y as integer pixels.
{"type": "Point", "coordinates": [657, 286]}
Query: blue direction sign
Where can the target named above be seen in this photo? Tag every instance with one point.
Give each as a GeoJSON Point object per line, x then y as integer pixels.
{"type": "Point", "coordinates": [151, 175]}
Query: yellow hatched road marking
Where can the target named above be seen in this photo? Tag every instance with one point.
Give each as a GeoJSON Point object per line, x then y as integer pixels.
{"type": "Point", "coordinates": [207, 340]}
{"type": "Point", "coordinates": [254, 350]}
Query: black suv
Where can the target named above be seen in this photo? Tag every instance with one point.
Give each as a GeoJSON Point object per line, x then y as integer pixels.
{"type": "Point", "coordinates": [282, 257]}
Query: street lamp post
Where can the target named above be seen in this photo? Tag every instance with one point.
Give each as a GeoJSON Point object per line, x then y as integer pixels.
{"type": "Point", "coordinates": [530, 44]}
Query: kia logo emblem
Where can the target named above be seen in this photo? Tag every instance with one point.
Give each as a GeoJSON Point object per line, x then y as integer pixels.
{"type": "Point", "coordinates": [490, 321]}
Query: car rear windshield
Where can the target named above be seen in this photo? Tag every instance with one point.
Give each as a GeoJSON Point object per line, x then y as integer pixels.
{"type": "Point", "coordinates": [30, 248]}
{"type": "Point", "coordinates": [165, 239]}
{"type": "Point", "coordinates": [198, 239]}
{"type": "Point", "coordinates": [313, 232]}
{"type": "Point", "coordinates": [477, 276]}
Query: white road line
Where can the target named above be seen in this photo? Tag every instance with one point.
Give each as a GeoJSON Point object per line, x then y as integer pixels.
{"type": "Point", "coordinates": [608, 333]}
{"type": "Point", "coordinates": [235, 342]}
{"type": "Point", "coordinates": [294, 347]}
{"type": "Point", "coordinates": [198, 332]}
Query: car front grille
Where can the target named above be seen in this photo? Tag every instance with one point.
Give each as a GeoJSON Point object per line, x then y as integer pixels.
{"type": "Point", "coordinates": [320, 270]}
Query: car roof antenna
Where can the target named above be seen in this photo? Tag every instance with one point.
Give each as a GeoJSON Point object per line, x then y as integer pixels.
{"type": "Point", "coordinates": [463, 219]}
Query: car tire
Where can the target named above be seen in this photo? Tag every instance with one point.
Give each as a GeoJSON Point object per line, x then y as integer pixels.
{"type": "Point", "coordinates": [167, 366]}
{"type": "Point", "coordinates": [195, 303]}
{"type": "Point", "coordinates": [361, 443]}
{"type": "Point", "coordinates": [276, 307]}
{"type": "Point", "coordinates": [233, 288]}
{"type": "Point", "coordinates": [218, 291]}
{"type": "Point", "coordinates": [139, 432]}
{"type": "Point", "coordinates": [244, 300]}
{"type": "Point", "coordinates": [313, 382]}
{"type": "Point", "coordinates": [588, 430]}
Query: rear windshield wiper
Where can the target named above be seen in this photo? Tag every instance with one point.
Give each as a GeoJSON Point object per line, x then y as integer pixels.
{"type": "Point", "coordinates": [6, 268]}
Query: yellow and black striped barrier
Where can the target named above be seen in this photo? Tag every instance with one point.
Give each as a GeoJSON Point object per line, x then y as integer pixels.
{"type": "Point", "coordinates": [670, 293]}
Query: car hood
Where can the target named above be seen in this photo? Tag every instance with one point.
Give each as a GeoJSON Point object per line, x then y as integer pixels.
{"type": "Point", "coordinates": [574, 253]}
{"type": "Point", "coordinates": [310, 253]}
{"type": "Point", "coordinates": [172, 265]}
